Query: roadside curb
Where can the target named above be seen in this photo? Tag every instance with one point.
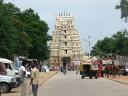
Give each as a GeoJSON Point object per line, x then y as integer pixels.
{"type": "Point", "coordinates": [118, 81]}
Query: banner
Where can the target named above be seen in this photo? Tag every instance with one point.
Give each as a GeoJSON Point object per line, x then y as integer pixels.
{"type": "Point", "coordinates": [76, 62]}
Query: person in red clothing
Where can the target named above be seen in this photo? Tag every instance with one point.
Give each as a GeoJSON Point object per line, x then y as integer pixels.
{"type": "Point", "coordinates": [99, 62]}
{"type": "Point", "coordinates": [2, 69]}
{"type": "Point", "coordinates": [108, 70]}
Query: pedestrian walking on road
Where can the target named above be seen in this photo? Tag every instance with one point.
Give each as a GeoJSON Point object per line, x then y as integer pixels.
{"type": "Point", "coordinates": [23, 78]}
{"type": "Point", "coordinates": [34, 80]}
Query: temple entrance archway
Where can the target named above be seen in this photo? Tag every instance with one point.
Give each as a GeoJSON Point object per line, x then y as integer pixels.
{"type": "Point", "coordinates": [66, 62]}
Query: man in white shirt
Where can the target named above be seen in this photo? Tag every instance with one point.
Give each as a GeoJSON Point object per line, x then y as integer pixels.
{"type": "Point", "coordinates": [23, 79]}
{"type": "Point", "coordinates": [22, 70]}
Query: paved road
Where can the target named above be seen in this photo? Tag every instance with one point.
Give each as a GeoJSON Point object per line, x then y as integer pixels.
{"type": "Point", "coordinates": [72, 85]}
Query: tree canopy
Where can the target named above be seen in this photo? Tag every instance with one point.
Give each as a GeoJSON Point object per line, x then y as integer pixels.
{"type": "Point", "coordinates": [22, 33]}
{"type": "Point", "coordinates": [123, 7]}
{"type": "Point", "coordinates": [117, 44]}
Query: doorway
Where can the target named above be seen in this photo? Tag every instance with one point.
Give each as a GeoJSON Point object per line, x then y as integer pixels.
{"type": "Point", "coordinates": [66, 62]}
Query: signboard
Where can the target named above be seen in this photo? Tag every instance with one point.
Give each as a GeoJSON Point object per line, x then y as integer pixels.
{"type": "Point", "coordinates": [76, 62]}
{"type": "Point", "coordinates": [95, 66]}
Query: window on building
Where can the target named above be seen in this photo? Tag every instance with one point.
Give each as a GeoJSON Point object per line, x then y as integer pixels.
{"type": "Point", "coordinates": [65, 51]}
{"type": "Point", "coordinates": [65, 43]}
{"type": "Point", "coordinates": [70, 22]}
{"type": "Point", "coordinates": [65, 37]}
{"type": "Point", "coordinates": [65, 31]}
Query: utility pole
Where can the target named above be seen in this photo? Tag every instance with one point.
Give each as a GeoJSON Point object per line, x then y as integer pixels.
{"type": "Point", "coordinates": [88, 43]}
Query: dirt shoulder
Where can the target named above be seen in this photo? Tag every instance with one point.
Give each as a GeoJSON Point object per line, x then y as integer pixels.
{"type": "Point", "coordinates": [43, 78]}
{"type": "Point", "coordinates": [120, 79]}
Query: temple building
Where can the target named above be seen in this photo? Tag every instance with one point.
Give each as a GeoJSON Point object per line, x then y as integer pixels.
{"type": "Point", "coordinates": [65, 44]}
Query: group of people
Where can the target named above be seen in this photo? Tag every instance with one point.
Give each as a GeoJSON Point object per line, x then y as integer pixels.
{"type": "Point", "coordinates": [112, 70]}
{"type": "Point", "coordinates": [34, 78]}
{"type": "Point", "coordinates": [71, 68]}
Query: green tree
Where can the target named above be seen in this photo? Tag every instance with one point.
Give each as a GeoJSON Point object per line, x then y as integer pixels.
{"type": "Point", "coordinates": [123, 6]}
{"type": "Point", "coordinates": [38, 32]}
{"type": "Point", "coordinates": [104, 47]}
{"type": "Point", "coordinates": [121, 42]}
{"type": "Point", "coordinates": [117, 44]}
{"type": "Point", "coordinates": [7, 31]}
{"type": "Point", "coordinates": [1, 1]}
{"type": "Point", "coordinates": [22, 32]}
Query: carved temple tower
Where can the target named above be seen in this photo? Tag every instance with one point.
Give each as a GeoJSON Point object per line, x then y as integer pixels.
{"type": "Point", "coordinates": [65, 44]}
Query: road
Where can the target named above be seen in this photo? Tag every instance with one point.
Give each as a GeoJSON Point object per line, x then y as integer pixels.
{"type": "Point", "coordinates": [71, 84]}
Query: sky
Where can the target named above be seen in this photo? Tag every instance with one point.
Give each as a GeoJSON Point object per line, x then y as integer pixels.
{"type": "Point", "coordinates": [93, 18]}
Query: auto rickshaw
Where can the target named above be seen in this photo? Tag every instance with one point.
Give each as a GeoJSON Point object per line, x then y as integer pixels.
{"type": "Point", "coordinates": [88, 70]}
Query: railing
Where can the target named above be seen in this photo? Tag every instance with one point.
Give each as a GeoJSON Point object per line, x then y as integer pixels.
{"type": "Point", "coordinates": [123, 60]}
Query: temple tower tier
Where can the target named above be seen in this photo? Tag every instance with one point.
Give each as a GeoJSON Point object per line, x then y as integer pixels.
{"type": "Point", "coordinates": [65, 44]}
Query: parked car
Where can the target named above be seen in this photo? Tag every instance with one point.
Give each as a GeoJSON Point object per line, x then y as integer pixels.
{"type": "Point", "coordinates": [52, 68]}
{"type": "Point", "coordinates": [6, 82]}
{"type": "Point", "coordinates": [2, 69]}
{"type": "Point", "coordinates": [8, 65]}
{"type": "Point", "coordinates": [9, 69]}
{"type": "Point", "coordinates": [124, 71]}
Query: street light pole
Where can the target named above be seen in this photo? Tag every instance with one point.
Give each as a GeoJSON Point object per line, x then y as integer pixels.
{"type": "Point", "coordinates": [89, 46]}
